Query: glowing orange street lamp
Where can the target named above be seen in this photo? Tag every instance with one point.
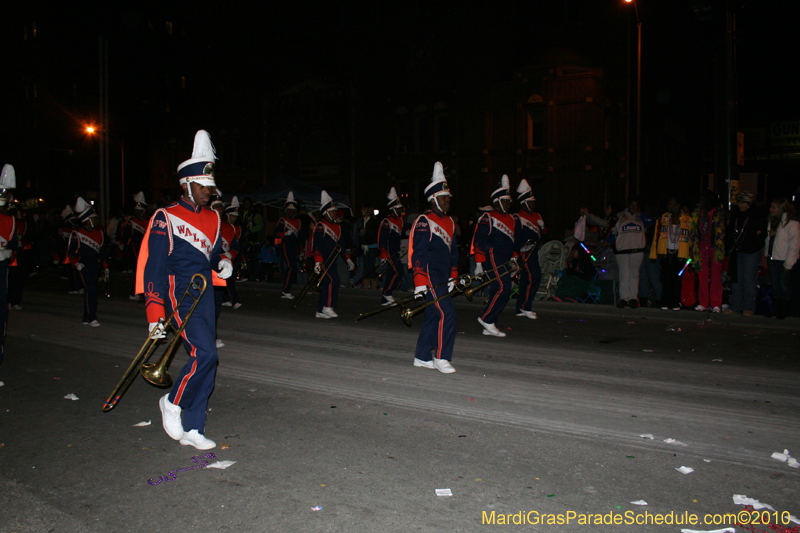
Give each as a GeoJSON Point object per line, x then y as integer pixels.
{"type": "Point", "coordinates": [90, 129]}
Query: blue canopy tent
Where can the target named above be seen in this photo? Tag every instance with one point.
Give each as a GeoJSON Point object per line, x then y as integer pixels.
{"type": "Point", "coordinates": [274, 194]}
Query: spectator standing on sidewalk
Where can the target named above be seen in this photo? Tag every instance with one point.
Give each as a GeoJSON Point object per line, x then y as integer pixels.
{"type": "Point", "coordinates": [782, 247]}
{"type": "Point", "coordinates": [707, 242]}
{"type": "Point", "coordinates": [745, 242]}
{"type": "Point", "coordinates": [671, 248]}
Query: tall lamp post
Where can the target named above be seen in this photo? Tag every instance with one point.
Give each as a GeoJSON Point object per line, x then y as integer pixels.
{"type": "Point", "coordinates": [105, 195]}
{"type": "Point", "coordinates": [638, 97]}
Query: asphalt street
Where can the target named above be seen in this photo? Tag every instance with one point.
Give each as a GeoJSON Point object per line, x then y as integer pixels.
{"type": "Point", "coordinates": [332, 429]}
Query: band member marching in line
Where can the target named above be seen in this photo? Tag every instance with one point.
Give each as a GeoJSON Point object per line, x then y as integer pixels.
{"type": "Point", "coordinates": [20, 266]}
{"type": "Point", "coordinates": [389, 236]}
{"type": "Point", "coordinates": [287, 240]}
{"type": "Point", "coordinates": [326, 236]}
{"type": "Point", "coordinates": [8, 243]}
{"type": "Point", "coordinates": [182, 240]}
{"type": "Point", "coordinates": [68, 224]}
{"type": "Point", "coordinates": [133, 233]}
{"type": "Point", "coordinates": [528, 230]}
{"type": "Point", "coordinates": [493, 246]}
{"type": "Point", "coordinates": [86, 253]}
{"type": "Point", "coordinates": [232, 234]}
{"type": "Point", "coordinates": [433, 259]}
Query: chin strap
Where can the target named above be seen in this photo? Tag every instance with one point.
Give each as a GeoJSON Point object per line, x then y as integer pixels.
{"type": "Point", "coordinates": [436, 201]}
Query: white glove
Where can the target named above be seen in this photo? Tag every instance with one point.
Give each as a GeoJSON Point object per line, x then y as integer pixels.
{"type": "Point", "coordinates": [225, 269]}
{"type": "Point", "coordinates": [121, 246]}
{"type": "Point", "coordinates": [317, 268]}
{"type": "Point", "coordinates": [106, 273]}
{"type": "Point", "coordinates": [5, 254]}
{"type": "Point", "coordinates": [384, 261]}
{"type": "Point", "coordinates": [451, 285]}
{"type": "Point", "coordinates": [79, 266]}
{"type": "Point", "coordinates": [365, 249]}
{"type": "Point", "coordinates": [54, 262]}
{"type": "Point", "coordinates": [419, 292]}
{"type": "Point", "coordinates": [478, 269]}
{"type": "Point", "coordinates": [350, 265]}
{"type": "Point", "coordinates": [160, 331]}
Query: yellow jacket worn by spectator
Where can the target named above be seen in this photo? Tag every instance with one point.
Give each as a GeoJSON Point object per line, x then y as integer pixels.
{"type": "Point", "coordinates": [664, 235]}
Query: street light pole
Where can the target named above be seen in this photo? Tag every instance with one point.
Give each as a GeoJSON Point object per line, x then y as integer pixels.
{"type": "Point", "coordinates": [638, 99]}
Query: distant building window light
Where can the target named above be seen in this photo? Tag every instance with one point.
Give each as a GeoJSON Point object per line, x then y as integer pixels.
{"type": "Point", "coordinates": [169, 28]}
{"type": "Point", "coordinates": [34, 30]}
{"type": "Point", "coordinates": [183, 82]}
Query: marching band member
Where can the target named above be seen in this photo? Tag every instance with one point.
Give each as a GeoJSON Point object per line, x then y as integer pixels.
{"type": "Point", "coordinates": [493, 246]}
{"type": "Point", "coordinates": [390, 234]}
{"type": "Point", "coordinates": [232, 234]}
{"type": "Point", "coordinates": [86, 253]}
{"type": "Point", "coordinates": [68, 225]}
{"type": "Point", "coordinates": [528, 230]}
{"type": "Point", "coordinates": [20, 267]}
{"type": "Point", "coordinates": [8, 243]}
{"type": "Point", "coordinates": [183, 239]}
{"type": "Point", "coordinates": [287, 241]}
{"type": "Point", "coordinates": [433, 258]}
{"type": "Point", "coordinates": [326, 237]}
{"type": "Point", "coordinates": [133, 232]}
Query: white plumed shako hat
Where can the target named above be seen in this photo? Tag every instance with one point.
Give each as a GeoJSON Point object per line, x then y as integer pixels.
{"type": "Point", "coordinates": [524, 191]}
{"type": "Point", "coordinates": [290, 201]}
{"type": "Point", "coordinates": [233, 209]}
{"type": "Point", "coordinates": [141, 203]}
{"type": "Point", "coordinates": [8, 181]}
{"type": "Point", "coordinates": [84, 209]}
{"type": "Point", "coordinates": [200, 168]}
{"type": "Point", "coordinates": [502, 192]}
{"type": "Point", "coordinates": [438, 185]}
{"type": "Point", "coordinates": [326, 202]}
{"type": "Point", "coordinates": [394, 201]}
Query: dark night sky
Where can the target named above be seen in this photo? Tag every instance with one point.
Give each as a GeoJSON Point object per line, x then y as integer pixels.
{"type": "Point", "coordinates": [243, 50]}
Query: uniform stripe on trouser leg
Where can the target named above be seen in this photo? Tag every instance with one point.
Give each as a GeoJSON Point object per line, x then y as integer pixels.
{"type": "Point", "coordinates": [496, 294]}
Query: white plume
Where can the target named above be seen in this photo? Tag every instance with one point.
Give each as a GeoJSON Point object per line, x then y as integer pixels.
{"type": "Point", "coordinates": [8, 178]}
{"type": "Point", "coordinates": [203, 149]}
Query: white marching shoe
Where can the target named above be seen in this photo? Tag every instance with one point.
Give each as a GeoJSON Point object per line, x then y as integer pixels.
{"type": "Point", "coordinates": [389, 300]}
{"type": "Point", "coordinates": [423, 364]}
{"type": "Point", "coordinates": [171, 418]}
{"type": "Point", "coordinates": [329, 311]}
{"type": "Point", "coordinates": [491, 329]}
{"type": "Point", "coordinates": [443, 366]}
{"type": "Point", "coordinates": [198, 440]}
{"type": "Point", "coordinates": [287, 296]}
{"type": "Point", "coordinates": [220, 344]}
{"type": "Point", "coordinates": [322, 315]}
{"type": "Point", "coordinates": [226, 304]}
{"type": "Point", "coordinates": [529, 314]}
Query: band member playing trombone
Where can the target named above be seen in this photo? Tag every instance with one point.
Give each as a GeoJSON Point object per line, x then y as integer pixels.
{"type": "Point", "coordinates": [287, 240]}
{"type": "Point", "coordinates": [86, 253]}
{"type": "Point", "coordinates": [493, 246]}
{"type": "Point", "coordinates": [389, 236]}
{"type": "Point", "coordinates": [433, 258]}
{"type": "Point", "coordinates": [528, 229]}
{"type": "Point", "coordinates": [326, 236]}
{"type": "Point", "coordinates": [182, 240]}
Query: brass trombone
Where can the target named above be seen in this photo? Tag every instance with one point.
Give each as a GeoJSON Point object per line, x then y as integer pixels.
{"type": "Point", "coordinates": [157, 373]}
{"type": "Point", "coordinates": [408, 313]}
{"type": "Point", "coordinates": [315, 280]}
{"type": "Point", "coordinates": [396, 303]}
{"type": "Point", "coordinates": [469, 293]}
